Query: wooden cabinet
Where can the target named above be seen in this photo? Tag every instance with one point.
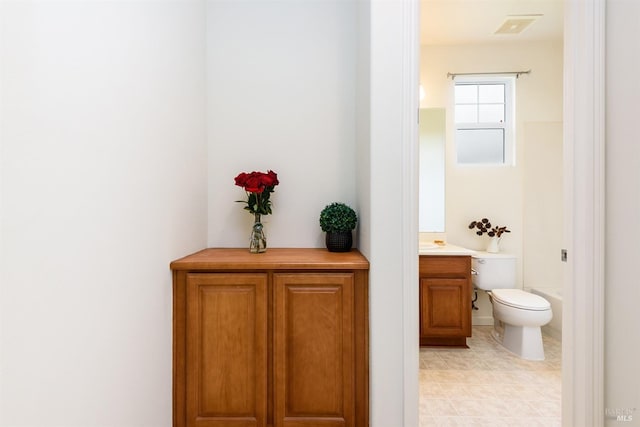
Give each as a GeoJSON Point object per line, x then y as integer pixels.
{"type": "Point", "coordinates": [278, 339]}
{"type": "Point", "coordinates": [445, 300]}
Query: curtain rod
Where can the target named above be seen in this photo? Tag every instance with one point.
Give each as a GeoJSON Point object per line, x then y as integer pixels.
{"type": "Point", "coordinates": [517, 74]}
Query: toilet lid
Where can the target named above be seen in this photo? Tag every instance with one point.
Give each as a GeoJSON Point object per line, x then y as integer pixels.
{"type": "Point", "coordinates": [520, 299]}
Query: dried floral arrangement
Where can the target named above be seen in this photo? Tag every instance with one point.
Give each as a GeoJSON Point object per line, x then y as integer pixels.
{"type": "Point", "coordinates": [484, 226]}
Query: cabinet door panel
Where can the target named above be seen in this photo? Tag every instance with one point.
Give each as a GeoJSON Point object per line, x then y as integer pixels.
{"type": "Point", "coordinates": [314, 353]}
{"type": "Point", "coordinates": [445, 307]}
{"type": "Point", "coordinates": [226, 350]}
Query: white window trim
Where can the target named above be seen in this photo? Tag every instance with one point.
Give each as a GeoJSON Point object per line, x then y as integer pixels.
{"type": "Point", "coordinates": [509, 124]}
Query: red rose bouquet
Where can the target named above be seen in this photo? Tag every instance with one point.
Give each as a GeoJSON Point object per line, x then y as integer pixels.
{"type": "Point", "coordinates": [259, 186]}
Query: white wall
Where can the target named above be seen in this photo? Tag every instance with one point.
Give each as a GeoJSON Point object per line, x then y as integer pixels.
{"type": "Point", "coordinates": [526, 197]}
{"type": "Point", "coordinates": [363, 123]}
{"type": "Point", "coordinates": [281, 95]}
{"type": "Point", "coordinates": [622, 293]}
{"type": "Point", "coordinates": [102, 184]}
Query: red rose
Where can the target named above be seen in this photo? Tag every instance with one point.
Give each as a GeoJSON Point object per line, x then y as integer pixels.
{"type": "Point", "coordinates": [241, 179]}
{"type": "Point", "coordinates": [253, 183]}
{"type": "Point", "coordinates": [270, 179]}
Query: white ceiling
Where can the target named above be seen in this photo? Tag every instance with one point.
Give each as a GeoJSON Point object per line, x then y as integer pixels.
{"type": "Point", "coordinates": [475, 21]}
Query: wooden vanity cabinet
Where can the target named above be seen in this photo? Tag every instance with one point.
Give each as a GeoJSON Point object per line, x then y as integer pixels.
{"type": "Point", "coordinates": [445, 300]}
{"type": "Point", "coordinates": [278, 339]}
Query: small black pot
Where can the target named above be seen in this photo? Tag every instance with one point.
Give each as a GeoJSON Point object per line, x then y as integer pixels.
{"type": "Point", "coordinates": [339, 241]}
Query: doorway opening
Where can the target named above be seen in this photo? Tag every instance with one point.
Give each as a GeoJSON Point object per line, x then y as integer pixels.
{"type": "Point", "coordinates": [525, 195]}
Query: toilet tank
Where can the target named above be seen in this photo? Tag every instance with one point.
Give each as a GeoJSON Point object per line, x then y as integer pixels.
{"type": "Point", "coordinates": [493, 271]}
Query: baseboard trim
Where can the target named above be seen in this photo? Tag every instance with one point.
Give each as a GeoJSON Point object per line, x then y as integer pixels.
{"type": "Point", "coordinates": [482, 321]}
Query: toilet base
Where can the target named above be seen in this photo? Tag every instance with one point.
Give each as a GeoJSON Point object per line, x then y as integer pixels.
{"type": "Point", "coordinates": [524, 341]}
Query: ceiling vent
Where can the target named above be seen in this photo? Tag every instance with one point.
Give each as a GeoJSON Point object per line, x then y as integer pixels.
{"type": "Point", "coordinates": [515, 24]}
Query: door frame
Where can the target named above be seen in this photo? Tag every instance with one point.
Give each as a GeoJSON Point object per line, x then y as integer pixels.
{"type": "Point", "coordinates": [584, 206]}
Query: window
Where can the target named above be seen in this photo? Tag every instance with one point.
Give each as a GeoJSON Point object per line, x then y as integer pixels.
{"type": "Point", "coordinates": [484, 120]}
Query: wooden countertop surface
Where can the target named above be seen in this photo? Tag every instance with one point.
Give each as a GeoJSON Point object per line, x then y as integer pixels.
{"type": "Point", "coordinates": [272, 259]}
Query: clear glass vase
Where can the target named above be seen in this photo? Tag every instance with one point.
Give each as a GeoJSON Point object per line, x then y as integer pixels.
{"type": "Point", "coordinates": [257, 241]}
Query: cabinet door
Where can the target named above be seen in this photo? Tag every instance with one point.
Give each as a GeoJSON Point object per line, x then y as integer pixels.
{"type": "Point", "coordinates": [314, 350]}
{"type": "Point", "coordinates": [445, 307]}
{"type": "Point", "coordinates": [226, 352]}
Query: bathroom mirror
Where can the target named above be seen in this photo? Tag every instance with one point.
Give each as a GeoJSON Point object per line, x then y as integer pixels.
{"type": "Point", "coordinates": [432, 163]}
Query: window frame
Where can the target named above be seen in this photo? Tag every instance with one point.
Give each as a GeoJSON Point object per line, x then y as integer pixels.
{"type": "Point", "coordinates": [508, 125]}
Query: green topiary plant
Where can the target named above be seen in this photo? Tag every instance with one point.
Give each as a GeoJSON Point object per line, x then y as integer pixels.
{"type": "Point", "coordinates": [337, 218]}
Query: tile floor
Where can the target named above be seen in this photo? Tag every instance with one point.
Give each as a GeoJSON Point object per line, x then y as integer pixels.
{"type": "Point", "coordinates": [485, 385]}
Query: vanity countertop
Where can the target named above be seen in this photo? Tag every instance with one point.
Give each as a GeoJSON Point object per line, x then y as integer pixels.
{"type": "Point", "coordinates": [430, 248]}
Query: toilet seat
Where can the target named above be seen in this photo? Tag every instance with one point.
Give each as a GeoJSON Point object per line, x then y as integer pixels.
{"type": "Point", "coordinates": [520, 299]}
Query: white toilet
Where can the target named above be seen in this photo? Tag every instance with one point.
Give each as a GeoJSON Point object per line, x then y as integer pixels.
{"type": "Point", "coordinates": [517, 315]}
